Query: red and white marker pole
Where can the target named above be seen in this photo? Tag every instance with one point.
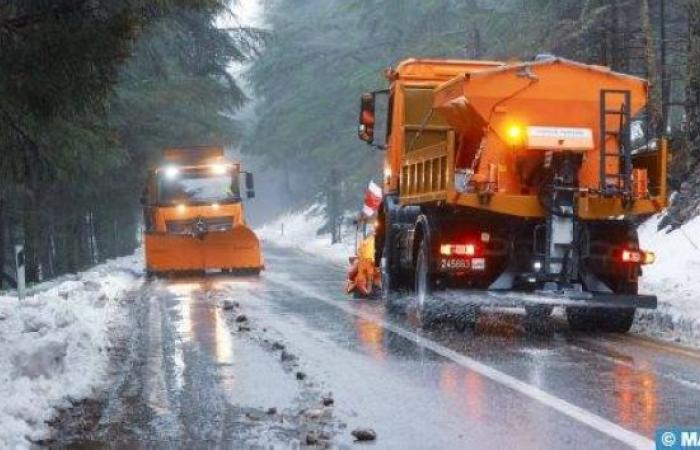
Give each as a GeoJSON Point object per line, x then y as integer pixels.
{"type": "Point", "coordinates": [373, 198]}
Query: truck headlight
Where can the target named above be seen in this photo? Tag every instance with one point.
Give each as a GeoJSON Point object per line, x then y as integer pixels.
{"type": "Point", "coordinates": [219, 169]}
{"type": "Point", "coordinates": [171, 172]}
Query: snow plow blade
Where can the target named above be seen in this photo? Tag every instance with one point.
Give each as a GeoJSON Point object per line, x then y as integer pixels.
{"type": "Point", "coordinates": [235, 249]}
{"type": "Point", "coordinates": [511, 299]}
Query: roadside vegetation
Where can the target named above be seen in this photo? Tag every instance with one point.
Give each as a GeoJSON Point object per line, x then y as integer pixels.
{"type": "Point", "coordinates": [91, 91]}
{"type": "Point", "coordinates": [324, 53]}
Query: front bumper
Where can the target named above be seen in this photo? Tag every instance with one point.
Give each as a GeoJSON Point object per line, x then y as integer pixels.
{"type": "Point", "coordinates": [235, 249]}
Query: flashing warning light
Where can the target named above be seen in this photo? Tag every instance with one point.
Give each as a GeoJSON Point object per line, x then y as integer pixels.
{"type": "Point", "coordinates": [515, 134]}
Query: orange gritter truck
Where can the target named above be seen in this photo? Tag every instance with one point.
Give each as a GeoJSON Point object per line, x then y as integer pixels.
{"type": "Point", "coordinates": [193, 214]}
{"type": "Point", "coordinates": [515, 185]}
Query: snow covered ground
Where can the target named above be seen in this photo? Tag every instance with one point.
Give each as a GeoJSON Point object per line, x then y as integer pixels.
{"type": "Point", "coordinates": [675, 277]}
{"type": "Point", "coordinates": [54, 345]}
{"type": "Point", "coordinates": [299, 230]}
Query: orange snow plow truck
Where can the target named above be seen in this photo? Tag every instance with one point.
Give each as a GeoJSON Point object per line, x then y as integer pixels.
{"type": "Point", "coordinates": [515, 185]}
{"type": "Point", "coordinates": [193, 214]}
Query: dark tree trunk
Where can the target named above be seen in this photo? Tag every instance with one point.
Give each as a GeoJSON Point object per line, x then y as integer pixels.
{"type": "Point", "coordinates": [663, 67]}
{"type": "Point", "coordinates": [3, 228]}
{"type": "Point", "coordinates": [654, 106]}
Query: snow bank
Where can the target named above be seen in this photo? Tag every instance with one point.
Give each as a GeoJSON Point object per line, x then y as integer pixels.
{"type": "Point", "coordinates": [675, 278]}
{"type": "Point", "coordinates": [300, 230]}
{"type": "Point", "coordinates": [53, 346]}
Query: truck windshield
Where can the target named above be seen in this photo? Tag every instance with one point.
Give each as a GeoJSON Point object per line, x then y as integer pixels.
{"type": "Point", "coordinates": [197, 186]}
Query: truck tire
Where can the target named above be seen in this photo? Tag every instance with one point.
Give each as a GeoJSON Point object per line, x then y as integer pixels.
{"type": "Point", "coordinates": [389, 277]}
{"type": "Point", "coordinates": [385, 273]}
{"type": "Point", "coordinates": [465, 319]}
{"type": "Point", "coordinates": [537, 319]}
{"type": "Point", "coordinates": [423, 286]}
{"type": "Point", "coordinates": [538, 312]}
{"type": "Point", "coordinates": [608, 320]}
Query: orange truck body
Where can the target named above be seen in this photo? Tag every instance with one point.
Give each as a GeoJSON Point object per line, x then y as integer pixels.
{"type": "Point", "coordinates": [208, 234]}
{"type": "Point", "coordinates": [502, 177]}
{"type": "Point", "coordinates": [475, 103]}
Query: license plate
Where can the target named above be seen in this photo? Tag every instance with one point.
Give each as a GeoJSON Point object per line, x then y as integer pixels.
{"type": "Point", "coordinates": [455, 264]}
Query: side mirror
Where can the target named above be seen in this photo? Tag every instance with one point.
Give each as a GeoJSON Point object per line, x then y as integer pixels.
{"type": "Point", "coordinates": [249, 185]}
{"type": "Point", "coordinates": [366, 129]}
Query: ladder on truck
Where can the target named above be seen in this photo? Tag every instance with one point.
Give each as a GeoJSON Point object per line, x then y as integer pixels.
{"type": "Point", "coordinates": [620, 181]}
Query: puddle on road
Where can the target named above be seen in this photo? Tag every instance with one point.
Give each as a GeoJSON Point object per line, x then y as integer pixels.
{"type": "Point", "coordinates": [249, 376]}
{"type": "Point", "coordinates": [260, 381]}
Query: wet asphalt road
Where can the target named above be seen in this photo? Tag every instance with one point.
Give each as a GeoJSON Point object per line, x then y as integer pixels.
{"type": "Point", "coordinates": [192, 376]}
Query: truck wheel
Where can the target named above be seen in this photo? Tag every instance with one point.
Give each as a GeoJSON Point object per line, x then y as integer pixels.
{"type": "Point", "coordinates": [389, 279]}
{"type": "Point", "coordinates": [465, 320]}
{"type": "Point", "coordinates": [538, 312]}
{"type": "Point", "coordinates": [610, 320]}
{"type": "Point", "coordinates": [536, 318]}
{"type": "Point", "coordinates": [423, 285]}
{"type": "Point", "coordinates": [385, 273]}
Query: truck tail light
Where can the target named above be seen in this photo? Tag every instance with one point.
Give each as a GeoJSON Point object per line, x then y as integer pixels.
{"type": "Point", "coordinates": [458, 249]}
{"type": "Point", "coordinates": [638, 257]}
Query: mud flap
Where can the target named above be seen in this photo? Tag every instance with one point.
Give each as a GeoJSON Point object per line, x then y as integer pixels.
{"type": "Point", "coordinates": [234, 249]}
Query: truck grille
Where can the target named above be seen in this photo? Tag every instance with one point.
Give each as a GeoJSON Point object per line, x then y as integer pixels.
{"type": "Point", "coordinates": [189, 226]}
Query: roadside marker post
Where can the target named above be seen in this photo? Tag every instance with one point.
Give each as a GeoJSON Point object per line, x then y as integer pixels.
{"type": "Point", "coordinates": [20, 265]}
